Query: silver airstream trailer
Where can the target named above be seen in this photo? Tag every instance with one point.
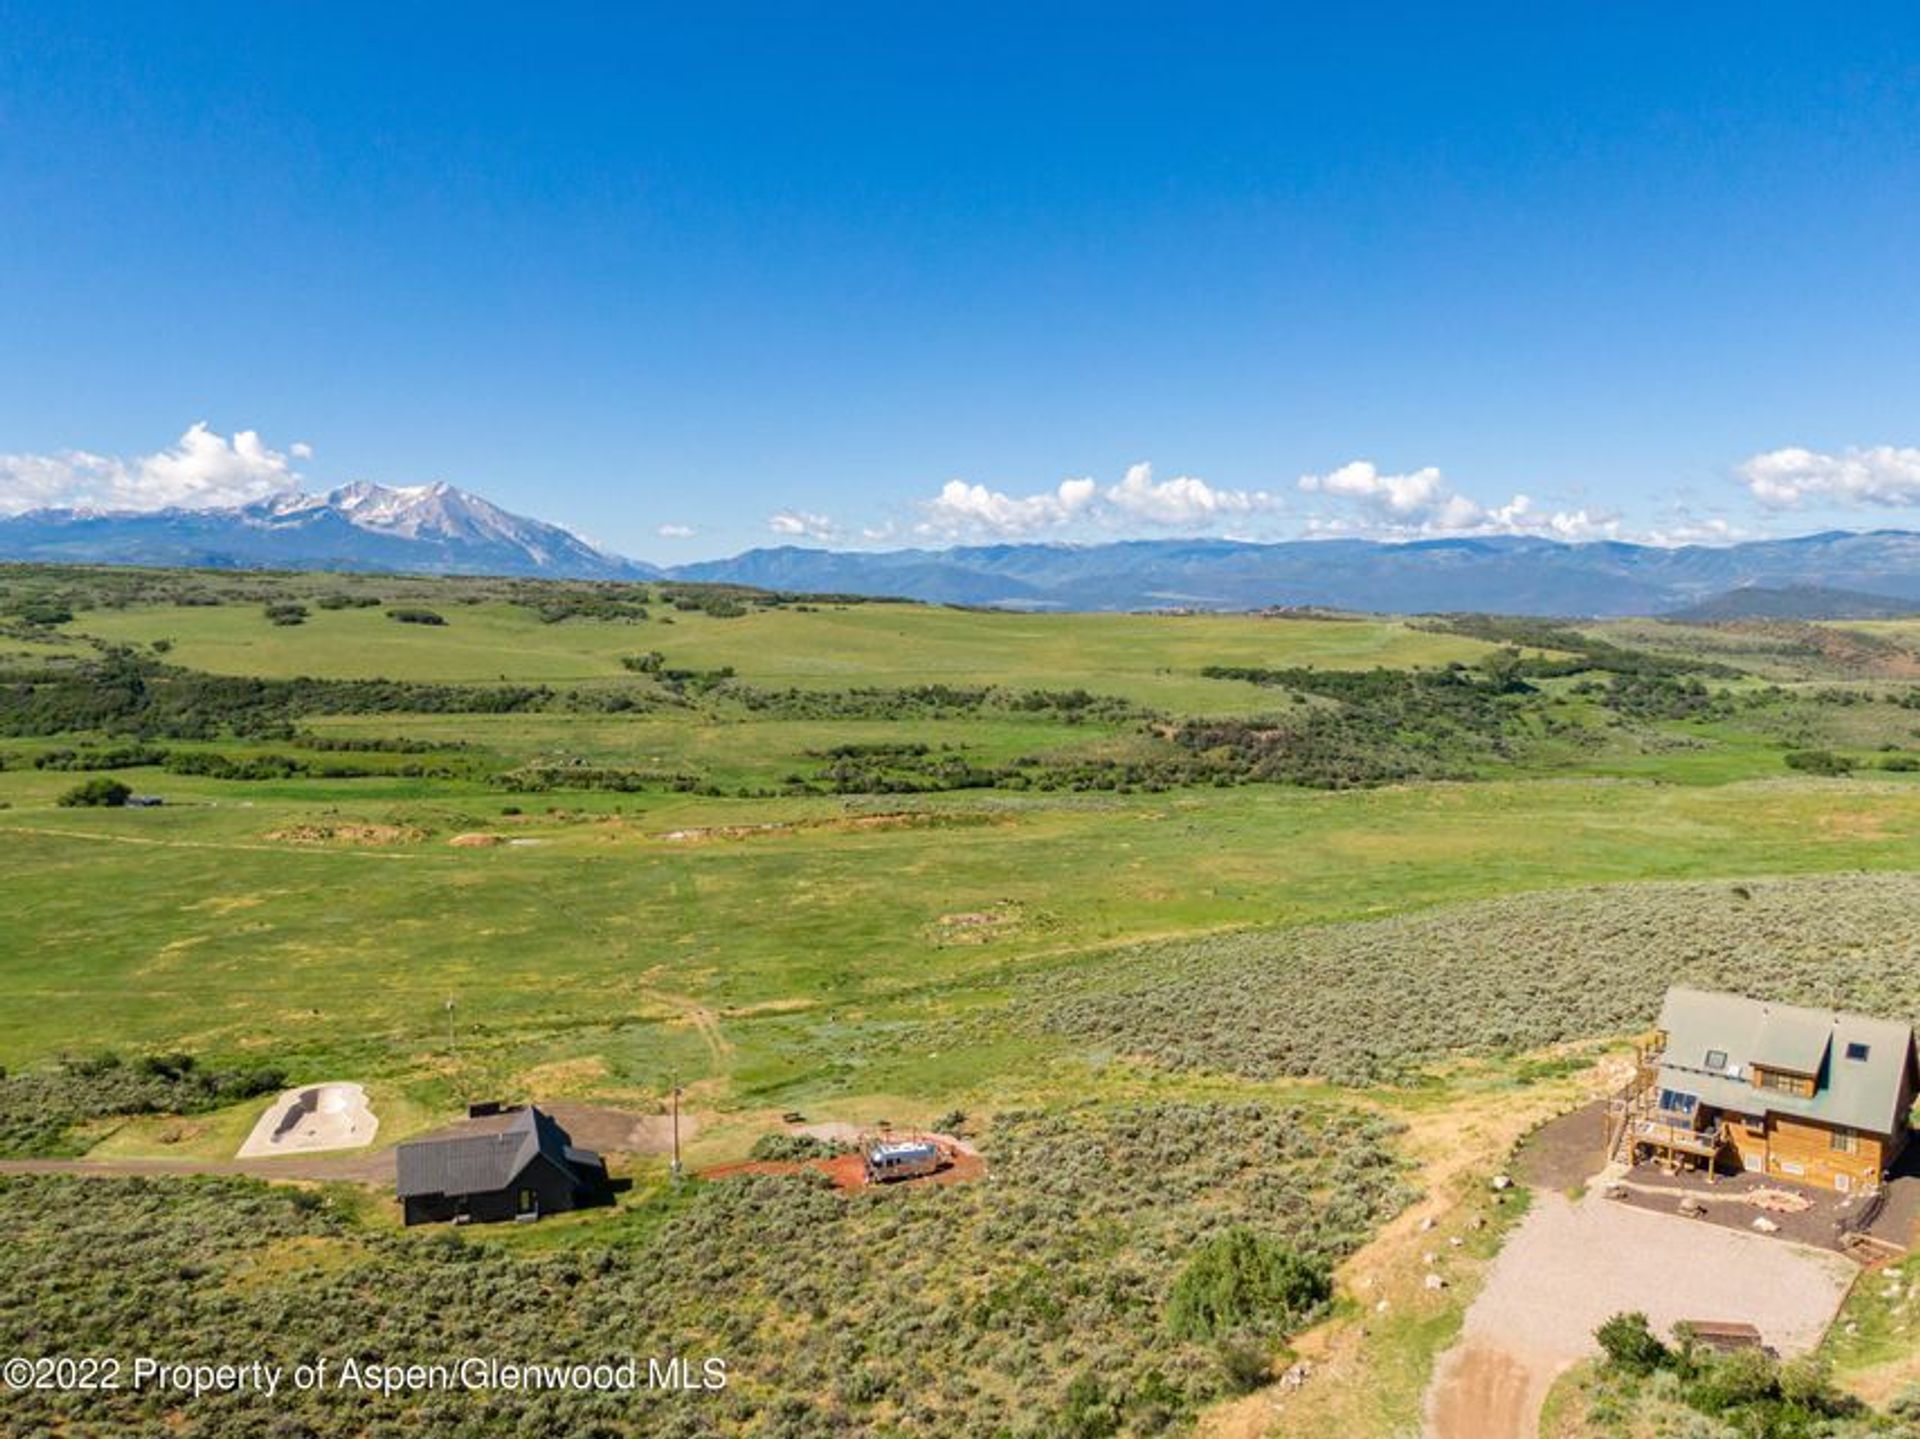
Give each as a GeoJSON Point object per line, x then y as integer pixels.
{"type": "Point", "coordinates": [902, 1159]}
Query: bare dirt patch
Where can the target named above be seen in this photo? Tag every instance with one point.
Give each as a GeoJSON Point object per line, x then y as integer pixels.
{"type": "Point", "coordinates": [477, 841]}
{"type": "Point", "coordinates": [1565, 1153]}
{"type": "Point", "coordinates": [620, 1131]}
{"type": "Point", "coordinates": [962, 1164]}
{"type": "Point", "coordinates": [347, 834]}
{"type": "Point", "coordinates": [848, 824]}
{"type": "Point", "coordinates": [983, 926]}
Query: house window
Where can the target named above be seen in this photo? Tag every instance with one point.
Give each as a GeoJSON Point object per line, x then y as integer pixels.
{"type": "Point", "coordinates": [1716, 1059]}
{"type": "Point", "coordinates": [1856, 1050]}
{"type": "Point", "coordinates": [1785, 1083]}
{"type": "Point", "coordinates": [527, 1201]}
{"type": "Point", "coordinates": [1845, 1141]}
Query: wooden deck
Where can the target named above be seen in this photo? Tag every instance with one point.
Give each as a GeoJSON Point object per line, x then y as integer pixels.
{"type": "Point", "coordinates": [1637, 1125]}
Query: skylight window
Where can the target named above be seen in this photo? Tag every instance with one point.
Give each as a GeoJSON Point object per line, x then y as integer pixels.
{"type": "Point", "coordinates": [1856, 1050]}
{"type": "Point", "coordinates": [1716, 1059]}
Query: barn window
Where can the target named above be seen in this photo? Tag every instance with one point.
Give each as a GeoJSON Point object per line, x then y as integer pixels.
{"type": "Point", "coordinates": [1716, 1059]}
{"type": "Point", "coordinates": [1856, 1050]}
{"type": "Point", "coordinates": [1845, 1141]}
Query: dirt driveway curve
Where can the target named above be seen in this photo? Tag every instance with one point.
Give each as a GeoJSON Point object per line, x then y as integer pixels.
{"type": "Point", "coordinates": [1571, 1266]}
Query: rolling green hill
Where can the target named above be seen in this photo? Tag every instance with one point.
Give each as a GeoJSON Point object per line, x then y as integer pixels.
{"type": "Point", "coordinates": [1074, 876]}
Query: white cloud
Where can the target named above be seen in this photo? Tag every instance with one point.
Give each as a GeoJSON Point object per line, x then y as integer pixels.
{"type": "Point", "coordinates": [1422, 503]}
{"type": "Point", "coordinates": [963, 510]}
{"type": "Point", "coordinates": [676, 532]}
{"type": "Point", "coordinates": [1883, 475]}
{"type": "Point", "coordinates": [202, 470]}
{"type": "Point", "coordinates": [803, 525]}
{"type": "Point", "coordinates": [1182, 500]}
{"type": "Point", "coordinates": [1684, 529]}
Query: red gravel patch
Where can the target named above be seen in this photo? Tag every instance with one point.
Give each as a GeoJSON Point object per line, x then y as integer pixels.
{"type": "Point", "coordinates": [848, 1172]}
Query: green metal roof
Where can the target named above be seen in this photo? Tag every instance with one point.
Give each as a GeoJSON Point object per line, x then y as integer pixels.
{"type": "Point", "coordinates": [1860, 1064]}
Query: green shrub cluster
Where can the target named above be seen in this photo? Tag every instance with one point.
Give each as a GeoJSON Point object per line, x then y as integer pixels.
{"type": "Point", "coordinates": [787, 1148]}
{"type": "Point", "coordinates": [126, 756]}
{"type": "Point", "coordinates": [123, 693]}
{"type": "Point", "coordinates": [100, 792]}
{"type": "Point", "coordinates": [935, 701]}
{"type": "Point", "coordinates": [1745, 1392]}
{"type": "Point", "coordinates": [40, 1109]}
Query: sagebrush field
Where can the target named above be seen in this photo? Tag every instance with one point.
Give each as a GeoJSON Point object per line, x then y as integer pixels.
{"type": "Point", "coordinates": [1198, 926]}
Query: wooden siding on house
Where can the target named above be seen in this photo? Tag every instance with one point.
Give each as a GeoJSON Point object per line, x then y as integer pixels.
{"type": "Point", "coordinates": [1805, 1152]}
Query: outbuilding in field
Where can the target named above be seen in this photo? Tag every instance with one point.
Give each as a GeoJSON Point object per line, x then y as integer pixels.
{"type": "Point", "coordinates": [501, 1163]}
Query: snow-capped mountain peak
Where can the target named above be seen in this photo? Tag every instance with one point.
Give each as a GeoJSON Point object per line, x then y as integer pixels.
{"type": "Point", "coordinates": [432, 528]}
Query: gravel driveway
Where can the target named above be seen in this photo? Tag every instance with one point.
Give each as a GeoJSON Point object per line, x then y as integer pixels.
{"type": "Point", "coordinates": [1570, 1266]}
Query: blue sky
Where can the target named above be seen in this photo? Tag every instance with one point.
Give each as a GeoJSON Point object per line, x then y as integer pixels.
{"type": "Point", "coordinates": [913, 274]}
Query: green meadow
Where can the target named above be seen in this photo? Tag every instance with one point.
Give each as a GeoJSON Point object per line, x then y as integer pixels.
{"type": "Point", "coordinates": [875, 861]}
{"type": "Point", "coordinates": [328, 920]}
{"type": "Point", "coordinates": [1152, 660]}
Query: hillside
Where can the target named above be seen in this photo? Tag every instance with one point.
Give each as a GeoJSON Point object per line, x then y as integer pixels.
{"type": "Point", "coordinates": [1792, 602]}
{"type": "Point", "coordinates": [1190, 924]}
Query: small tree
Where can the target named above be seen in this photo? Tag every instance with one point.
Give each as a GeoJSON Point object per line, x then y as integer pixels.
{"type": "Point", "coordinates": [1629, 1343]}
{"type": "Point", "coordinates": [1819, 761]}
{"type": "Point", "coordinates": [1243, 1284]}
{"type": "Point", "coordinates": [1733, 1381]}
{"type": "Point", "coordinates": [101, 790]}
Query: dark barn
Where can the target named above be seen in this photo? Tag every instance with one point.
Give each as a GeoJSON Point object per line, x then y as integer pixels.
{"type": "Point", "coordinates": [503, 1164]}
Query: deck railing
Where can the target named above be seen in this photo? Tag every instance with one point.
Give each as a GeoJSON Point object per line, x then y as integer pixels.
{"type": "Point", "coordinates": [1706, 1140]}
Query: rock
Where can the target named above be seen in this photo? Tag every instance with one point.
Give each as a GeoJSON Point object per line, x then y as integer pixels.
{"type": "Point", "coordinates": [1426, 1224]}
{"type": "Point", "coordinates": [1381, 1307]}
{"type": "Point", "coordinates": [1692, 1207]}
{"type": "Point", "coordinates": [1766, 1225]}
{"type": "Point", "coordinates": [1615, 1190]}
{"type": "Point", "coordinates": [1479, 1221]}
{"type": "Point", "coordinates": [1434, 1281]}
{"type": "Point", "coordinates": [1429, 1259]}
{"type": "Point", "coordinates": [1502, 1181]}
{"type": "Point", "coordinates": [1456, 1241]}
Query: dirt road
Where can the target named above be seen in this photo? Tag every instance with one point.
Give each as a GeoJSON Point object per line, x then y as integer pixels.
{"type": "Point", "coordinates": [373, 1168]}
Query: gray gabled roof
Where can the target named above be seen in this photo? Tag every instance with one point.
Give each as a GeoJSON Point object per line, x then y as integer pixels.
{"type": "Point", "coordinates": [485, 1154]}
{"type": "Point", "coordinates": [1859, 1093]}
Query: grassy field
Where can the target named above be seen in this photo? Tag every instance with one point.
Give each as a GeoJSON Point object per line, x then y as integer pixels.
{"type": "Point", "coordinates": [875, 901]}
{"type": "Point", "coordinates": [1154, 661]}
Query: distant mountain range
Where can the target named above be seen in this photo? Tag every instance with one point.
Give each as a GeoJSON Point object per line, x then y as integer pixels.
{"type": "Point", "coordinates": [437, 529]}
{"type": "Point", "coordinates": [1500, 574]}
{"type": "Point", "coordinates": [422, 529]}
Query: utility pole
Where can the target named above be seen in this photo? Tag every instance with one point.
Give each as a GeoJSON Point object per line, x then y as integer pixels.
{"type": "Point", "coordinates": [674, 1085]}
{"type": "Point", "coordinates": [449, 1023]}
